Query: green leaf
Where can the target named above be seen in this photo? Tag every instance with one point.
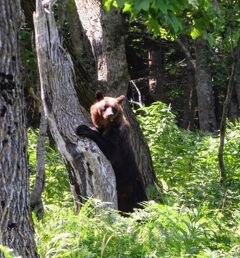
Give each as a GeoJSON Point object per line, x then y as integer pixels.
{"type": "Point", "coordinates": [175, 23]}
{"type": "Point", "coordinates": [209, 38]}
{"type": "Point", "coordinates": [141, 5]}
{"type": "Point", "coordinates": [160, 5]}
{"type": "Point", "coordinates": [6, 251]}
{"type": "Point", "coordinates": [127, 7]}
{"type": "Point", "coordinates": [120, 3]}
{"type": "Point", "coordinates": [153, 25]}
{"type": "Point", "coordinates": [107, 4]}
{"type": "Point", "coordinates": [195, 33]}
{"type": "Point", "coordinates": [201, 23]}
{"type": "Point", "coordinates": [194, 3]}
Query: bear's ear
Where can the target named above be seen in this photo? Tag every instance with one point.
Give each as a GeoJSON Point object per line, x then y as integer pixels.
{"type": "Point", "coordinates": [120, 99]}
{"type": "Point", "coordinates": [99, 95]}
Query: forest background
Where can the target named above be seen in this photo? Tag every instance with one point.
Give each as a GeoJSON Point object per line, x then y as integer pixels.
{"type": "Point", "coordinates": [178, 64]}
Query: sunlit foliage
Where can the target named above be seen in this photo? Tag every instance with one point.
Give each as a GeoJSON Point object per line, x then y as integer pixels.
{"type": "Point", "coordinates": [198, 217]}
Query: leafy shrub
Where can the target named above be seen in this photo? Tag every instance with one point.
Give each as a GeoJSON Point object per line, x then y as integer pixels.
{"type": "Point", "coordinates": [186, 162]}
{"type": "Point", "coordinates": [57, 186]}
{"type": "Point", "coordinates": [199, 217]}
{"type": "Point", "coordinates": [7, 252]}
{"type": "Point", "coordinates": [156, 231]}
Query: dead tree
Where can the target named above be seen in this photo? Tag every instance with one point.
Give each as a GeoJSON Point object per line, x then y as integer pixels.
{"type": "Point", "coordinates": [90, 173]}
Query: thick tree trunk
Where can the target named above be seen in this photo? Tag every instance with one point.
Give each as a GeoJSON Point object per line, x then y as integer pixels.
{"type": "Point", "coordinates": [81, 48]}
{"type": "Point", "coordinates": [105, 34]}
{"type": "Point", "coordinates": [16, 230]}
{"type": "Point", "coordinates": [90, 172]}
{"type": "Point", "coordinates": [104, 31]}
{"type": "Point", "coordinates": [207, 117]}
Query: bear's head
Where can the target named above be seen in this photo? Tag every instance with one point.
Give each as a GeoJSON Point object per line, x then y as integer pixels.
{"type": "Point", "coordinates": [106, 111]}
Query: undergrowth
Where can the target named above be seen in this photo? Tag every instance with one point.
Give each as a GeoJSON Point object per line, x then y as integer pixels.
{"type": "Point", "coordinates": [198, 218]}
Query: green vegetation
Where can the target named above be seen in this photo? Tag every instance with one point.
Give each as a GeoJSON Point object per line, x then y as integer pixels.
{"type": "Point", "coordinates": [57, 190]}
{"type": "Point", "coordinates": [6, 251]}
{"type": "Point", "coordinates": [198, 217]}
{"type": "Point", "coordinates": [211, 20]}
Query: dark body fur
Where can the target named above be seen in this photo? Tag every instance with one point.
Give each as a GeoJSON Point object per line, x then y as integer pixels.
{"type": "Point", "coordinates": [113, 138]}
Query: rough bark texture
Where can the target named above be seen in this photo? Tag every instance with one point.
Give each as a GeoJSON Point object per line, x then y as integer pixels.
{"type": "Point", "coordinates": [90, 172]}
{"type": "Point", "coordinates": [36, 194]}
{"type": "Point", "coordinates": [105, 34]}
{"type": "Point", "coordinates": [207, 117]}
{"type": "Point", "coordinates": [16, 230]}
{"type": "Point", "coordinates": [104, 31]}
{"type": "Point", "coordinates": [79, 48]}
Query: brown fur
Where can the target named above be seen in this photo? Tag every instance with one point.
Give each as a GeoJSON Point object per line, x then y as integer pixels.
{"type": "Point", "coordinates": [97, 112]}
{"type": "Point", "coordinates": [112, 135]}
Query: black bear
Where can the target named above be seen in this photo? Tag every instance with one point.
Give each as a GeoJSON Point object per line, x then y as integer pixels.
{"type": "Point", "coordinates": [111, 132]}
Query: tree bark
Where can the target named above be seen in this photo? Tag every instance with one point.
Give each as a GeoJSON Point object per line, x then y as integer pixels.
{"type": "Point", "coordinates": [190, 98]}
{"type": "Point", "coordinates": [105, 33]}
{"type": "Point", "coordinates": [234, 111]}
{"type": "Point", "coordinates": [16, 229]}
{"type": "Point", "coordinates": [36, 194]}
{"type": "Point", "coordinates": [156, 72]}
{"type": "Point", "coordinates": [90, 172]}
{"type": "Point", "coordinates": [237, 85]}
{"type": "Point", "coordinates": [189, 101]}
{"type": "Point", "coordinates": [207, 117]}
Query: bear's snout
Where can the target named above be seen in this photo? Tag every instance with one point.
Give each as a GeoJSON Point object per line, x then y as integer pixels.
{"type": "Point", "coordinates": [109, 114]}
{"type": "Point", "coordinates": [110, 117]}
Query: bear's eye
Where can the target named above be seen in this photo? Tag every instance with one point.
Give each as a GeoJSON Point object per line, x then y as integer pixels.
{"type": "Point", "coordinates": [105, 107]}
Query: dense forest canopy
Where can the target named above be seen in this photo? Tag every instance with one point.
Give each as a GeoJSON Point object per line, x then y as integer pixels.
{"type": "Point", "coordinates": [178, 64]}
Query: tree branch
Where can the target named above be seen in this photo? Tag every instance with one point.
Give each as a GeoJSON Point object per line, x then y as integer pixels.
{"type": "Point", "coordinates": [187, 54]}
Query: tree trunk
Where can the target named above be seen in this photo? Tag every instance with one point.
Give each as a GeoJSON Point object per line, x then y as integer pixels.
{"type": "Point", "coordinates": [90, 172]}
{"type": "Point", "coordinates": [156, 72]}
{"type": "Point", "coordinates": [105, 34]}
{"type": "Point", "coordinates": [16, 230]}
{"type": "Point", "coordinates": [190, 99]}
{"type": "Point", "coordinates": [36, 194]}
{"type": "Point", "coordinates": [237, 85]}
{"type": "Point", "coordinates": [207, 118]}
{"type": "Point", "coordinates": [234, 107]}
{"type": "Point", "coordinates": [104, 31]}
{"type": "Point", "coordinates": [236, 55]}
